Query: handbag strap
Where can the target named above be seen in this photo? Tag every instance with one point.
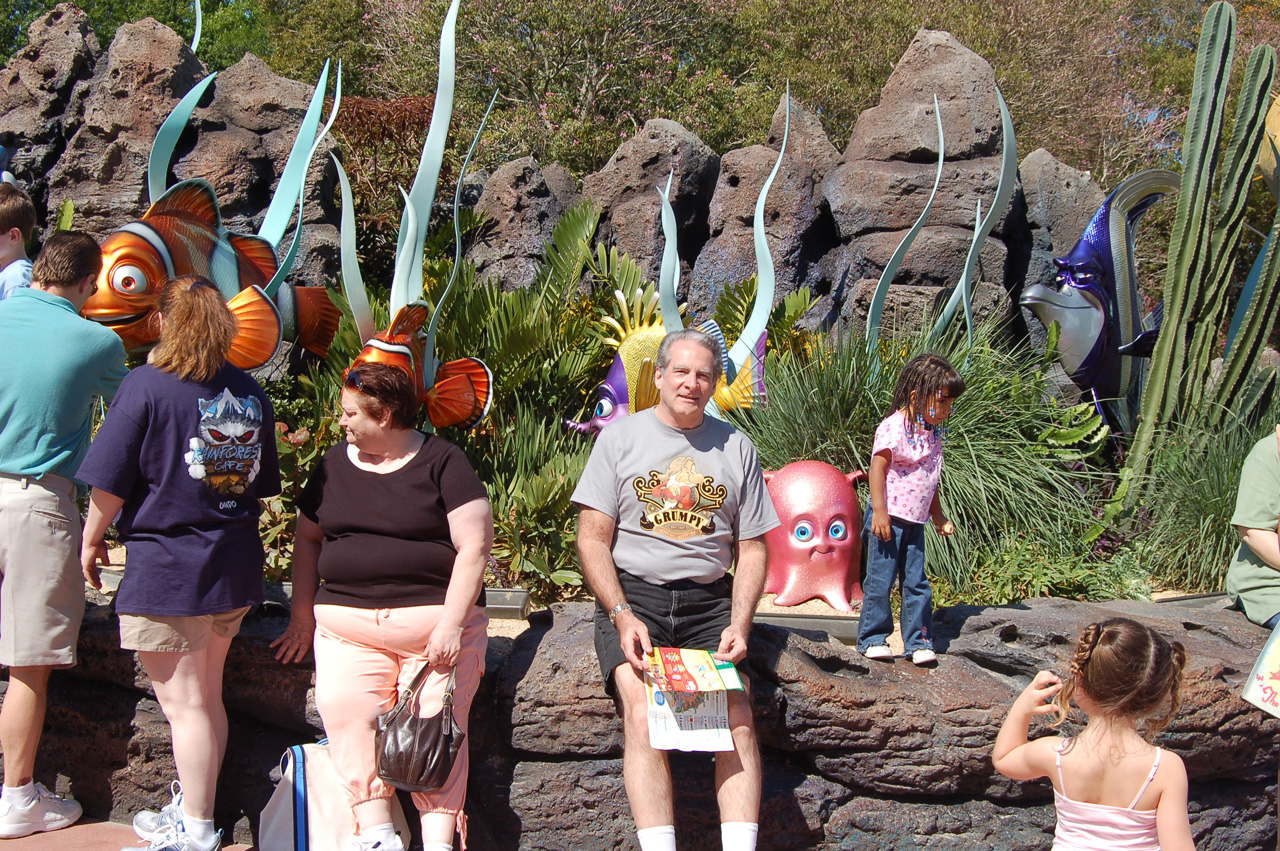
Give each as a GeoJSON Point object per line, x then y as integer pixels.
{"type": "Point", "coordinates": [301, 839]}
{"type": "Point", "coordinates": [414, 691]}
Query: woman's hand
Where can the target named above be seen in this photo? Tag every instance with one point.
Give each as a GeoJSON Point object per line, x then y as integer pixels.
{"type": "Point", "coordinates": [295, 642]}
{"type": "Point", "coordinates": [444, 645]}
{"type": "Point", "coordinates": [90, 555]}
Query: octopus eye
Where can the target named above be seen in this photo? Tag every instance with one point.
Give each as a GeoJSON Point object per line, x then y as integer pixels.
{"type": "Point", "coordinates": [803, 532]}
{"type": "Point", "coordinates": [838, 530]}
{"type": "Point", "coordinates": [603, 408]}
{"type": "Point", "coordinates": [129, 280]}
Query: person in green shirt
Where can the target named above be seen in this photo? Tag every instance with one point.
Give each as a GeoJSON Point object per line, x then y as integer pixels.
{"type": "Point", "coordinates": [1253, 579]}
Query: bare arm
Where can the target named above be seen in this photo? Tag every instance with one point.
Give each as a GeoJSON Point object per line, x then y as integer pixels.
{"type": "Point", "coordinates": [940, 522]}
{"type": "Point", "coordinates": [103, 508]}
{"type": "Point", "coordinates": [1013, 756]}
{"type": "Point", "coordinates": [595, 552]}
{"type": "Point", "coordinates": [881, 526]}
{"type": "Point", "coordinates": [1173, 828]}
{"type": "Point", "coordinates": [471, 528]}
{"type": "Point", "coordinates": [1265, 544]}
{"type": "Point", "coordinates": [296, 640]}
{"type": "Point", "coordinates": [748, 583]}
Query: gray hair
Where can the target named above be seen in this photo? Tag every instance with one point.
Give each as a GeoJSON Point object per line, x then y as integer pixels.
{"type": "Point", "coordinates": [691, 335]}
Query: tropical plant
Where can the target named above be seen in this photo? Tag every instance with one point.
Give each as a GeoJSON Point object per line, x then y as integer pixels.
{"type": "Point", "coordinates": [1012, 473]}
{"type": "Point", "coordinates": [1204, 248]}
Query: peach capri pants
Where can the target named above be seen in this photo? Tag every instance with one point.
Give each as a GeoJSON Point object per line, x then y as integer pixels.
{"type": "Point", "coordinates": [364, 658]}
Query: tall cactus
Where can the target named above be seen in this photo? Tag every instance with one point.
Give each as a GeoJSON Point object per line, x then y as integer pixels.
{"type": "Point", "coordinates": [1203, 248]}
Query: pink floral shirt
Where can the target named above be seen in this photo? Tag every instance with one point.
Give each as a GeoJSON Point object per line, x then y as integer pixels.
{"type": "Point", "coordinates": [914, 468]}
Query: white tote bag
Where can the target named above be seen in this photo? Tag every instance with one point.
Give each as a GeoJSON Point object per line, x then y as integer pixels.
{"type": "Point", "coordinates": [308, 810]}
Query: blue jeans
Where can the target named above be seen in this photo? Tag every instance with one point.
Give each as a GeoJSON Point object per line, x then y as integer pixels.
{"type": "Point", "coordinates": [901, 559]}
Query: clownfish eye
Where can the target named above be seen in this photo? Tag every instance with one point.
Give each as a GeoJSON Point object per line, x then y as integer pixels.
{"type": "Point", "coordinates": [803, 532]}
{"type": "Point", "coordinates": [838, 530]}
{"type": "Point", "coordinates": [129, 280]}
{"type": "Point", "coordinates": [603, 408]}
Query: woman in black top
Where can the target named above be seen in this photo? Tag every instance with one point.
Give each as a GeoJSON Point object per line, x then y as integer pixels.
{"type": "Point", "coordinates": [394, 529]}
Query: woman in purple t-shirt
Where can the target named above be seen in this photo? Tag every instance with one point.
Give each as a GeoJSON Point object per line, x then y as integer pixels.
{"type": "Point", "coordinates": [183, 456]}
{"type": "Point", "coordinates": [394, 529]}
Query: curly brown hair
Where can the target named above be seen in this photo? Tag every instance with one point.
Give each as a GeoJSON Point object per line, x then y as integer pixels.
{"type": "Point", "coordinates": [928, 376]}
{"type": "Point", "coordinates": [198, 329]}
{"type": "Point", "coordinates": [1127, 669]}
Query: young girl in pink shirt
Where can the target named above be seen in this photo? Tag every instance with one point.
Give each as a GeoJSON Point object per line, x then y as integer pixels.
{"type": "Point", "coordinates": [906, 463]}
{"type": "Point", "coordinates": [1114, 790]}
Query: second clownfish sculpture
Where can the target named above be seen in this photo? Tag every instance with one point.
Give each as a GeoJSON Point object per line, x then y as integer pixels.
{"type": "Point", "coordinates": [456, 393]}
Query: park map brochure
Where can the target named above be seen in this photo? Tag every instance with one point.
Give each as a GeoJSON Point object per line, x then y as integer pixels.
{"type": "Point", "coordinates": [1262, 689]}
{"type": "Point", "coordinates": [688, 700]}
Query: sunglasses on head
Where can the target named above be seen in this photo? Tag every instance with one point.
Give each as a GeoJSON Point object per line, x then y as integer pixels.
{"type": "Point", "coordinates": [353, 381]}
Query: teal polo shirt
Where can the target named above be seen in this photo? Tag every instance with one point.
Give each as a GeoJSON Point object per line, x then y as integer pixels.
{"type": "Point", "coordinates": [53, 363]}
{"type": "Point", "coordinates": [1253, 583]}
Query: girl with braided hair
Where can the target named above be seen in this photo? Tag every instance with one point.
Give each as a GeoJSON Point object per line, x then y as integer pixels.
{"type": "Point", "coordinates": [1126, 677]}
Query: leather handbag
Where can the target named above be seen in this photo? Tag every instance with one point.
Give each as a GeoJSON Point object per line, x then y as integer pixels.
{"type": "Point", "coordinates": [416, 754]}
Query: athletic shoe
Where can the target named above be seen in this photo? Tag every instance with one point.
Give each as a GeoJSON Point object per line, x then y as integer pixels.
{"type": "Point", "coordinates": [49, 812]}
{"type": "Point", "coordinates": [151, 825]}
{"type": "Point", "coordinates": [358, 844]}
{"type": "Point", "coordinates": [174, 838]}
{"type": "Point", "coordinates": [878, 651]}
{"type": "Point", "coordinates": [924, 656]}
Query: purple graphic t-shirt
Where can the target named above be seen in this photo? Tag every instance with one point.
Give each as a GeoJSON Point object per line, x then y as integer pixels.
{"type": "Point", "coordinates": [191, 460]}
{"type": "Point", "coordinates": [914, 469]}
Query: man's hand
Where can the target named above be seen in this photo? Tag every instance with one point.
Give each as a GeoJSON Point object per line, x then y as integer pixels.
{"type": "Point", "coordinates": [733, 645]}
{"type": "Point", "coordinates": [634, 636]}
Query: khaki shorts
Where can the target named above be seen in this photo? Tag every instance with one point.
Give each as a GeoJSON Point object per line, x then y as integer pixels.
{"type": "Point", "coordinates": [160, 634]}
{"type": "Point", "coordinates": [41, 587]}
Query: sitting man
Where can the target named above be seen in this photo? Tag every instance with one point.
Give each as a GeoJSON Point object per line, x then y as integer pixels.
{"type": "Point", "coordinates": [668, 498]}
{"type": "Point", "coordinates": [1253, 579]}
{"type": "Point", "coordinates": [52, 365]}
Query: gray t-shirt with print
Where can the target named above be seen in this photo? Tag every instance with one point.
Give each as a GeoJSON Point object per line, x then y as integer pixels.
{"type": "Point", "coordinates": [679, 498]}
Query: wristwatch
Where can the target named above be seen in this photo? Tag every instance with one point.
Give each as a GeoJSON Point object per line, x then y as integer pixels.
{"type": "Point", "coordinates": [617, 610]}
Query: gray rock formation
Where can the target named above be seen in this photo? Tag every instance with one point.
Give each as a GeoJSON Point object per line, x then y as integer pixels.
{"type": "Point", "coordinates": [883, 180]}
{"type": "Point", "coordinates": [630, 207]}
{"type": "Point", "coordinates": [82, 122]}
{"type": "Point", "coordinates": [807, 140]}
{"type": "Point", "coordinates": [857, 754]}
{"type": "Point", "coordinates": [791, 222]}
{"type": "Point", "coordinates": [34, 89]}
{"type": "Point", "coordinates": [522, 203]}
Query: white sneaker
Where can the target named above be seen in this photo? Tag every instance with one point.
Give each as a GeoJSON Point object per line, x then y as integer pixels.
{"type": "Point", "coordinates": [151, 825]}
{"type": "Point", "coordinates": [359, 844]}
{"type": "Point", "coordinates": [49, 812]}
{"type": "Point", "coordinates": [924, 656]}
{"type": "Point", "coordinates": [174, 838]}
{"type": "Point", "coordinates": [878, 651]}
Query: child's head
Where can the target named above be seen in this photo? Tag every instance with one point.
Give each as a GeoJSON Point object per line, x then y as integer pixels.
{"type": "Point", "coordinates": [927, 387]}
{"type": "Point", "coordinates": [17, 220]}
{"type": "Point", "coordinates": [1125, 669]}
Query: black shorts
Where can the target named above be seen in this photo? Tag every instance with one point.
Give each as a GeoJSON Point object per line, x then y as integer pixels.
{"type": "Point", "coordinates": [684, 614]}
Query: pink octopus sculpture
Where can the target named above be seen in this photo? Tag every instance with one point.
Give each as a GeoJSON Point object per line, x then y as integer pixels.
{"type": "Point", "coordinates": [817, 551]}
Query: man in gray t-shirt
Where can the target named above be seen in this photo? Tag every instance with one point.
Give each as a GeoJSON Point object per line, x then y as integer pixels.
{"type": "Point", "coordinates": [667, 499]}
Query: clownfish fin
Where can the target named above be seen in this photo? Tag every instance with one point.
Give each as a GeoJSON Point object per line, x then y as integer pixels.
{"type": "Point", "coordinates": [318, 319]}
{"type": "Point", "coordinates": [646, 390]}
{"type": "Point", "coordinates": [190, 199]}
{"type": "Point", "coordinates": [745, 391]}
{"type": "Point", "coordinates": [461, 395]}
{"type": "Point", "coordinates": [409, 319]}
{"type": "Point", "coordinates": [256, 251]}
{"type": "Point", "coordinates": [258, 329]}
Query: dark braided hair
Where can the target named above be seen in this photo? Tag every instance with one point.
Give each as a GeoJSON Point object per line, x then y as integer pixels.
{"type": "Point", "coordinates": [1126, 668]}
{"type": "Point", "coordinates": [928, 376]}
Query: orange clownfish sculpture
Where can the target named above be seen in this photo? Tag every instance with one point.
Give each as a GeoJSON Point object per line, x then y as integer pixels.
{"type": "Point", "coordinates": [182, 234]}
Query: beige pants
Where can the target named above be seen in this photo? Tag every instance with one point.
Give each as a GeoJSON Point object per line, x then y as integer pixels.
{"type": "Point", "coordinates": [41, 587]}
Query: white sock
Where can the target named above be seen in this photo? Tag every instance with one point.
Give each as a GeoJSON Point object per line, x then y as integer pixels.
{"type": "Point", "coordinates": [380, 832]}
{"type": "Point", "coordinates": [738, 835]}
{"type": "Point", "coordinates": [21, 797]}
{"type": "Point", "coordinates": [437, 846]}
{"type": "Point", "coordinates": [657, 838]}
{"type": "Point", "coordinates": [199, 829]}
